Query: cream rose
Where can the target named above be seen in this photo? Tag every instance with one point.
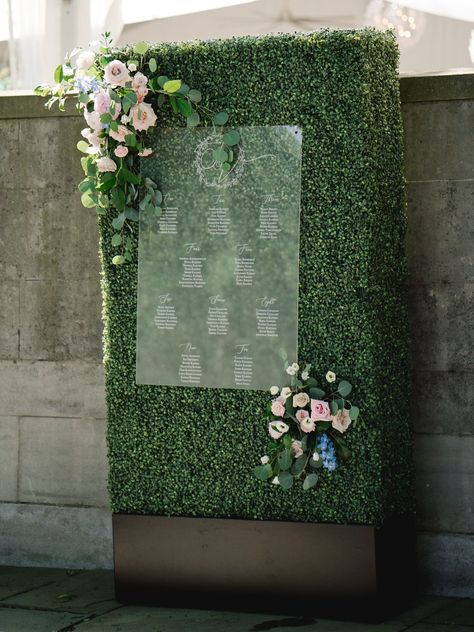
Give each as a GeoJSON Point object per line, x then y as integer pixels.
{"type": "Point", "coordinates": [285, 392]}
{"type": "Point", "coordinates": [300, 400]}
{"type": "Point", "coordinates": [143, 116]}
{"type": "Point", "coordinates": [85, 60]}
{"type": "Point", "coordinates": [264, 459]}
{"type": "Point", "coordinates": [139, 81]}
{"type": "Point", "coordinates": [341, 420]}
{"type": "Point", "coordinates": [116, 73]}
{"type": "Point", "coordinates": [301, 415]}
{"type": "Point", "coordinates": [330, 376]}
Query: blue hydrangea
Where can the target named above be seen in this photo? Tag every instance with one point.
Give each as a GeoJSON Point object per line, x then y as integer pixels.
{"type": "Point", "coordinates": [87, 84]}
{"type": "Point", "coordinates": [328, 452]}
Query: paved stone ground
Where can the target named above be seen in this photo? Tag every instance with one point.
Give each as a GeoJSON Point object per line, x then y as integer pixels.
{"type": "Point", "coordinates": [56, 600]}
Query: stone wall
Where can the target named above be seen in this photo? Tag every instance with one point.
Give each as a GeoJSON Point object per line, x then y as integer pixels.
{"type": "Point", "coordinates": [53, 508]}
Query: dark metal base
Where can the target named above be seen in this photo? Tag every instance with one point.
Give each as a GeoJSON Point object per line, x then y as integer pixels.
{"type": "Point", "coordinates": [342, 571]}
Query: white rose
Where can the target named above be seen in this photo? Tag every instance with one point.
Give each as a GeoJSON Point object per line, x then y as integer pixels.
{"type": "Point", "coordinates": [277, 429]}
{"type": "Point", "coordinates": [124, 119]}
{"type": "Point", "coordinates": [275, 481]}
{"type": "Point", "coordinates": [85, 60]}
{"type": "Point", "coordinates": [290, 370]}
{"type": "Point", "coordinates": [132, 66]}
{"type": "Point", "coordinates": [274, 390]}
{"type": "Point", "coordinates": [285, 392]}
{"type": "Point", "coordinates": [296, 367]}
{"type": "Point", "coordinates": [300, 400]}
{"type": "Point", "coordinates": [315, 456]}
{"type": "Point", "coordinates": [305, 375]}
{"type": "Point", "coordinates": [264, 459]}
{"type": "Point", "coordinates": [330, 376]}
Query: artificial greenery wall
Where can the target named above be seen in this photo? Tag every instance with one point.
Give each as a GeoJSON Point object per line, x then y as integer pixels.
{"type": "Point", "coordinates": [190, 451]}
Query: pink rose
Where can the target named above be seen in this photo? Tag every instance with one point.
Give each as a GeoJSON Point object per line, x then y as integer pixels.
{"type": "Point", "coordinates": [85, 60]}
{"type": "Point", "coordinates": [141, 93]}
{"type": "Point", "coordinates": [120, 134]}
{"type": "Point", "coordinates": [296, 448]}
{"type": "Point", "coordinates": [307, 425]}
{"type": "Point", "coordinates": [278, 407]}
{"type": "Point", "coordinates": [121, 151]}
{"type": "Point", "coordinates": [116, 73]}
{"type": "Point", "coordinates": [320, 410]}
{"type": "Point", "coordinates": [341, 420]}
{"type": "Point", "coordinates": [301, 415]}
{"type": "Point", "coordinates": [106, 164]}
{"type": "Point", "coordinates": [139, 81]}
{"type": "Point", "coordinates": [143, 116]}
{"type": "Point", "coordinates": [102, 102]}
{"type": "Point", "coordinates": [146, 152]}
{"type": "Point", "coordinates": [93, 120]}
{"type": "Point", "coordinates": [277, 428]}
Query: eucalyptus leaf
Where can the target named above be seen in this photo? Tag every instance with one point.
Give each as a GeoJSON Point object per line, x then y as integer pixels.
{"type": "Point", "coordinates": [344, 388]}
{"type": "Point", "coordinates": [118, 260]}
{"type": "Point", "coordinates": [83, 146]}
{"type": "Point", "coordinates": [88, 201]}
{"type": "Point", "coordinates": [140, 48]}
{"type": "Point", "coordinates": [285, 459]}
{"type": "Point", "coordinates": [172, 86]}
{"type": "Point", "coordinates": [285, 479]}
{"type": "Point", "coordinates": [232, 137]}
{"type": "Point", "coordinates": [128, 101]}
{"type": "Point", "coordinates": [316, 393]}
{"type": "Point", "coordinates": [162, 79]}
{"type": "Point", "coordinates": [195, 95]}
{"type": "Point", "coordinates": [118, 221]}
{"type": "Point", "coordinates": [220, 118]}
{"type": "Point", "coordinates": [116, 239]}
{"type": "Point", "coordinates": [152, 65]}
{"type": "Point", "coordinates": [132, 214]}
{"type": "Point", "coordinates": [193, 120]}
{"type": "Point", "coordinates": [185, 107]}
{"type": "Point", "coordinates": [354, 413]}
{"type": "Point", "coordinates": [226, 166]}
{"type": "Point", "coordinates": [220, 155]}
{"type": "Point", "coordinates": [263, 472]}
{"type": "Point", "coordinates": [310, 481]}
{"type": "Point", "coordinates": [299, 465]}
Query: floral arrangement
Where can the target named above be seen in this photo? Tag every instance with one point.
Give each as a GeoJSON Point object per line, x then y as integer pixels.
{"type": "Point", "coordinates": [306, 425]}
{"type": "Point", "coordinates": [119, 103]}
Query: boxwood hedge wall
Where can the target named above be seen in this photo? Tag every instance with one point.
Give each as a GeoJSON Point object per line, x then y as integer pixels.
{"type": "Point", "coordinates": [190, 451]}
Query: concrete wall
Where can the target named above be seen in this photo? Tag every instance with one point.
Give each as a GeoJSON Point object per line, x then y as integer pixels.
{"type": "Point", "coordinates": [52, 411]}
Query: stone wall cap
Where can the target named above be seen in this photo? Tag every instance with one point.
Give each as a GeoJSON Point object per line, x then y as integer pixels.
{"type": "Point", "coordinates": [17, 104]}
{"type": "Point", "coordinates": [453, 85]}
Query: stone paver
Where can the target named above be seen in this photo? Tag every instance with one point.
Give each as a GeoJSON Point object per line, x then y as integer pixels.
{"type": "Point", "coordinates": [56, 600]}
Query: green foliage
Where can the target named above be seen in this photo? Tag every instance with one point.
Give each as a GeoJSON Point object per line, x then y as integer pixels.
{"type": "Point", "coordinates": [188, 451]}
